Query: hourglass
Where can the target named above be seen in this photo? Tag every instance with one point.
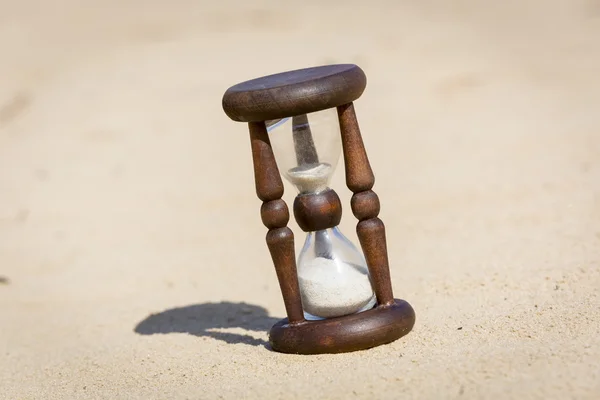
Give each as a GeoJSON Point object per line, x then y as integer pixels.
{"type": "Point", "coordinates": [337, 298]}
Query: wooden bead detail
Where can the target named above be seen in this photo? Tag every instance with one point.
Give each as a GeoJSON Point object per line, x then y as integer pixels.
{"type": "Point", "coordinates": [365, 205]}
{"type": "Point", "coordinates": [318, 211]}
{"type": "Point", "coordinates": [275, 214]}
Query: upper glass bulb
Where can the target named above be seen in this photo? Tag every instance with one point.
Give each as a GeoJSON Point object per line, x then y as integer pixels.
{"type": "Point", "coordinates": [307, 148]}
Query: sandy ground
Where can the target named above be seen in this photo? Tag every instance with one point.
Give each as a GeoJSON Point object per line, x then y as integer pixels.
{"type": "Point", "coordinates": [132, 254]}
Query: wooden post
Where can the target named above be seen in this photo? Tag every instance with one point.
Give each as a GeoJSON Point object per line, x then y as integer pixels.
{"type": "Point", "coordinates": [275, 216]}
{"type": "Point", "coordinates": [365, 204]}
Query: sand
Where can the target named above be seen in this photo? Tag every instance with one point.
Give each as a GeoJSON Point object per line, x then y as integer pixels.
{"type": "Point", "coordinates": [131, 247]}
{"type": "Point", "coordinates": [310, 178]}
{"type": "Point", "coordinates": [332, 288]}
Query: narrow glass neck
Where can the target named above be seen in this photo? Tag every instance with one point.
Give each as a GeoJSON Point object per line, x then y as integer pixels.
{"type": "Point", "coordinates": [310, 178]}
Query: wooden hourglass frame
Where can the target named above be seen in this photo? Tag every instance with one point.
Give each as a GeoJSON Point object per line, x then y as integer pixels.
{"type": "Point", "coordinates": [295, 94]}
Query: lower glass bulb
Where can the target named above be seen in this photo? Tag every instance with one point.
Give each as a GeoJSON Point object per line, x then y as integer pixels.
{"type": "Point", "coordinates": [333, 276]}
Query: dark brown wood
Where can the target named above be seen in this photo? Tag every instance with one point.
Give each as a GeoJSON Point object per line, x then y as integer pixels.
{"type": "Point", "coordinates": [371, 234]}
{"type": "Point", "coordinates": [365, 205]}
{"type": "Point", "coordinates": [375, 327]}
{"type": "Point", "coordinates": [275, 216]}
{"type": "Point", "coordinates": [296, 92]}
{"type": "Point", "coordinates": [359, 175]}
{"type": "Point", "coordinates": [318, 211]}
{"type": "Point", "coordinates": [304, 145]}
{"type": "Point", "coordinates": [267, 179]}
{"type": "Point", "coordinates": [281, 246]}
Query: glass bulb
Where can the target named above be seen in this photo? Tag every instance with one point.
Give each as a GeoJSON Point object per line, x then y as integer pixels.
{"type": "Point", "coordinates": [333, 276]}
{"type": "Point", "coordinates": [307, 148]}
{"type": "Point", "coordinates": [332, 273]}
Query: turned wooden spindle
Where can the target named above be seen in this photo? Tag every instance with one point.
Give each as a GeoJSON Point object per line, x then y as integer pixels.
{"type": "Point", "coordinates": [365, 204]}
{"type": "Point", "coordinates": [275, 216]}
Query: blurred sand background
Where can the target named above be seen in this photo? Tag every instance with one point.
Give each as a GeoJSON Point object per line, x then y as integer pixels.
{"type": "Point", "coordinates": [131, 245]}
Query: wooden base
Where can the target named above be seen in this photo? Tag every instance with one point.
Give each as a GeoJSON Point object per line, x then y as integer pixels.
{"type": "Point", "coordinates": [380, 325]}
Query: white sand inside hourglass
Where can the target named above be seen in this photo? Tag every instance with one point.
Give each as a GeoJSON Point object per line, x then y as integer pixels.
{"type": "Point", "coordinates": [310, 178]}
{"type": "Point", "coordinates": [331, 288]}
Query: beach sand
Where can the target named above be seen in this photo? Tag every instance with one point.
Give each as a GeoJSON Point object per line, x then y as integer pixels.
{"type": "Point", "coordinates": [132, 253]}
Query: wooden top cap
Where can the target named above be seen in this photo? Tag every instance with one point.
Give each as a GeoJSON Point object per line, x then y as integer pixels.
{"type": "Point", "coordinates": [295, 92]}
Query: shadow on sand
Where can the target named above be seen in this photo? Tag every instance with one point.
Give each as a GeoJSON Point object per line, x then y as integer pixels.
{"type": "Point", "coordinates": [201, 319]}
